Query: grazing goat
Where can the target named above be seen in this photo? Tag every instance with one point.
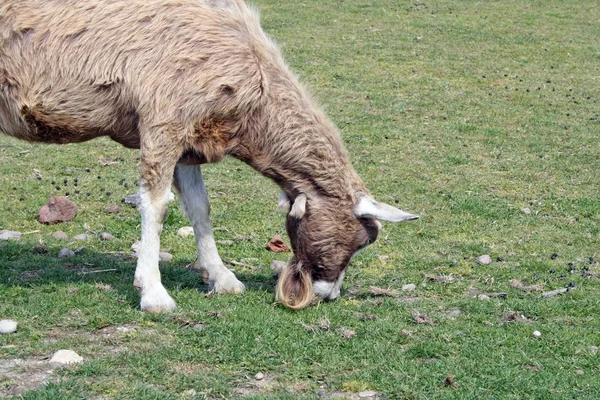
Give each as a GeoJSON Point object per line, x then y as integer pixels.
{"type": "Point", "coordinates": [188, 82]}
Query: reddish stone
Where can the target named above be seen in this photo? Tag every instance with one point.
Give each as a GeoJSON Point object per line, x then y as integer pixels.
{"type": "Point", "coordinates": [277, 245]}
{"type": "Point", "coordinates": [58, 209]}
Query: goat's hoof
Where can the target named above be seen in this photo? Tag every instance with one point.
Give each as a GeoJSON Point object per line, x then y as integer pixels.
{"type": "Point", "coordinates": [157, 300]}
{"type": "Point", "coordinates": [227, 285]}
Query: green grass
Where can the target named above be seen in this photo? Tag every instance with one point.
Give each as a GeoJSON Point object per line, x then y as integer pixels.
{"type": "Point", "coordinates": [464, 112]}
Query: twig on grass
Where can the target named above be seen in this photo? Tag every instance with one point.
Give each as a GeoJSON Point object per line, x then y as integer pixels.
{"type": "Point", "coordinates": [97, 271]}
{"type": "Point", "coordinates": [556, 292]}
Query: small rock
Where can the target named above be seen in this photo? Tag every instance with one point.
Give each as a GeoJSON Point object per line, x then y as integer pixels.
{"type": "Point", "coordinates": [185, 231]}
{"type": "Point", "coordinates": [106, 236]}
{"type": "Point", "coordinates": [10, 235]}
{"type": "Point", "coordinates": [58, 209]}
{"type": "Point", "coordinates": [537, 333]}
{"type": "Point", "coordinates": [83, 236]}
{"type": "Point", "coordinates": [65, 357]}
{"type": "Point", "coordinates": [455, 312]}
{"type": "Point", "coordinates": [277, 265]}
{"type": "Point", "coordinates": [526, 210]}
{"type": "Point", "coordinates": [8, 326]}
{"type": "Point", "coordinates": [484, 259]}
{"type": "Point", "coordinates": [321, 393]}
{"type": "Point", "coordinates": [198, 327]}
{"type": "Point", "coordinates": [66, 253]}
{"type": "Point", "coordinates": [133, 200]}
{"type": "Point", "coordinates": [579, 372]}
{"type": "Point", "coordinates": [367, 394]}
{"type": "Point", "coordinates": [409, 287]}
{"type": "Point", "coordinates": [483, 297]}
{"type": "Point", "coordinates": [190, 393]}
{"type": "Point", "coordinates": [113, 209]}
{"type": "Point", "coordinates": [60, 235]}
{"type": "Point", "coordinates": [259, 376]}
{"type": "Point", "coordinates": [164, 256]}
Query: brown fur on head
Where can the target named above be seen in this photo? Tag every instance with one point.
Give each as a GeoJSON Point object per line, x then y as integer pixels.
{"type": "Point", "coordinates": [324, 239]}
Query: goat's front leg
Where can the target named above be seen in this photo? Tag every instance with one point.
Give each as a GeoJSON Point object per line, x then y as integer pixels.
{"type": "Point", "coordinates": [157, 173]}
{"type": "Point", "coordinates": [194, 201]}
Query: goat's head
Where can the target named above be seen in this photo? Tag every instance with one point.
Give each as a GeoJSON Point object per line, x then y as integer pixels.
{"type": "Point", "coordinates": [324, 236]}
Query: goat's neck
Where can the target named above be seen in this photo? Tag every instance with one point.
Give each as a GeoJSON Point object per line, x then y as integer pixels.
{"type": "Point", "coordinates": [296, 146]}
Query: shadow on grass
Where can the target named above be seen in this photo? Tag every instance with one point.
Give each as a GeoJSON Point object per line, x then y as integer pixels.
{"type": "Point", "coordinates": [24, 265]}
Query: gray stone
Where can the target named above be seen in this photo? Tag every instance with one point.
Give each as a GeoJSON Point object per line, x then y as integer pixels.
{"type": "Point", "coordinates": [106, 236]}
{"type": "Point", "coordinates": [65, 357]}
{"type": "Point", "coordinates": [60, 235]}
{"type": "Point", "coordinates": [164, 256]}
{"type": "Point", "coordinates": [484, 259]}
{"type": "Point", "coordinates": [83, 236]}
{"type": "Point", "coordinates": [277, 265]}
{"type": "Point", "coordinates": [133, 200]}
{"type": "Point", "coordinates": [367, 394]}
{"type": "Point", "coordinates": [185, 231]}
{"type": "Point", "coordinates": [526, 210]}
{"type": "Point", "coordinates": [10, 235]}
{"type": "Point", "coordinates": [259, 376]}
{"type": "Point", "coordinates": [8, 326]}
{"type": "Point", "coordinates": [409, 287]}
{"type": "Point", "coordinates": [66, 253]}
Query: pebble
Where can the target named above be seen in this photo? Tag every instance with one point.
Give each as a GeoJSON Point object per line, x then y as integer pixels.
{"type": "Point", "coordinates": [483, 297]}
{"type": "Point", "coordinates": [321, 393]}
{"type": "Point", "coordinates": [66, 253]}
{"type": "Point", "coordinates": [133, 200]}
{"type": "Point", "coordinates": [455, 312]}
{"type": "Point", "coordinates": [484, 259]}
{"type": "Point", "coordinates": [10, 235]}
{"type": "Point", "coordinates": [537, 333]}
{"type": "Point", "coordinates": [83, 236]}
{"type": "Point", "coordinates": [277, 265]}
{"type": "Point", "coordinates": [579, 372]}
{"type": "Point", "coordinates": [259, 376]}
{"type": "Point", "coordinates": [190, 392]}
{"type": "Point", "coordinates": [8, 326]}
{"type": "Point", "coordinates": [106, 236]}
{"type": "Point", "coordinates": [164, 256]}
{"type": "Point", "coordinates": [65, 357]}
{"type": "Point", "coordinates": [60, 235]}
{"type": "Point", "coordinates": [409, 287]}
{"type": "Point", "coordinates": [185, 231]}
{"type": "Point", "coordinates": [526, 211]}
{"type": "Point", "coordinates": [367, 394]}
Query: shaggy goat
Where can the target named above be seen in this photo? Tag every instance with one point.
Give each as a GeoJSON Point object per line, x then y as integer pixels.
{"type": "Point", "coordinates": [188, 82]}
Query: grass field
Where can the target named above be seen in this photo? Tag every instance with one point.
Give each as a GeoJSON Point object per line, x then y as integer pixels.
{"type": "Point", "coordinates": [464, 112]}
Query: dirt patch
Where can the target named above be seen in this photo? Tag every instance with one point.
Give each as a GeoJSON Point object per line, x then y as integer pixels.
{"type": "Point", "coordinates": [18, 376]}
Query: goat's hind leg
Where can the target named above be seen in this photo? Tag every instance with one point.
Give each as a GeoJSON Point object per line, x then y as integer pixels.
{"type": "Point", "coordinates": [194, 201]}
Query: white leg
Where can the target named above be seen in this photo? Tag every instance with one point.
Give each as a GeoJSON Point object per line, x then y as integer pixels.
{"type": "Point", "coordinates": [154, 297]}
{"type": "Point", "coordinates": [194, 200]}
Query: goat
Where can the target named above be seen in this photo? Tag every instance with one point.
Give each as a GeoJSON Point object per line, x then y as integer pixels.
{"type": "Point", "coordinates": [187, 82]}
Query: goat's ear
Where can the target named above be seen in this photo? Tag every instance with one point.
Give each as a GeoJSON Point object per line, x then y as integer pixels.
{"type": "Point", "coordinates": [299, 206]}
{"type": "Point", "coordinates": [369, 208]}
{"type": "Point", "coordinates": [283, 202]}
